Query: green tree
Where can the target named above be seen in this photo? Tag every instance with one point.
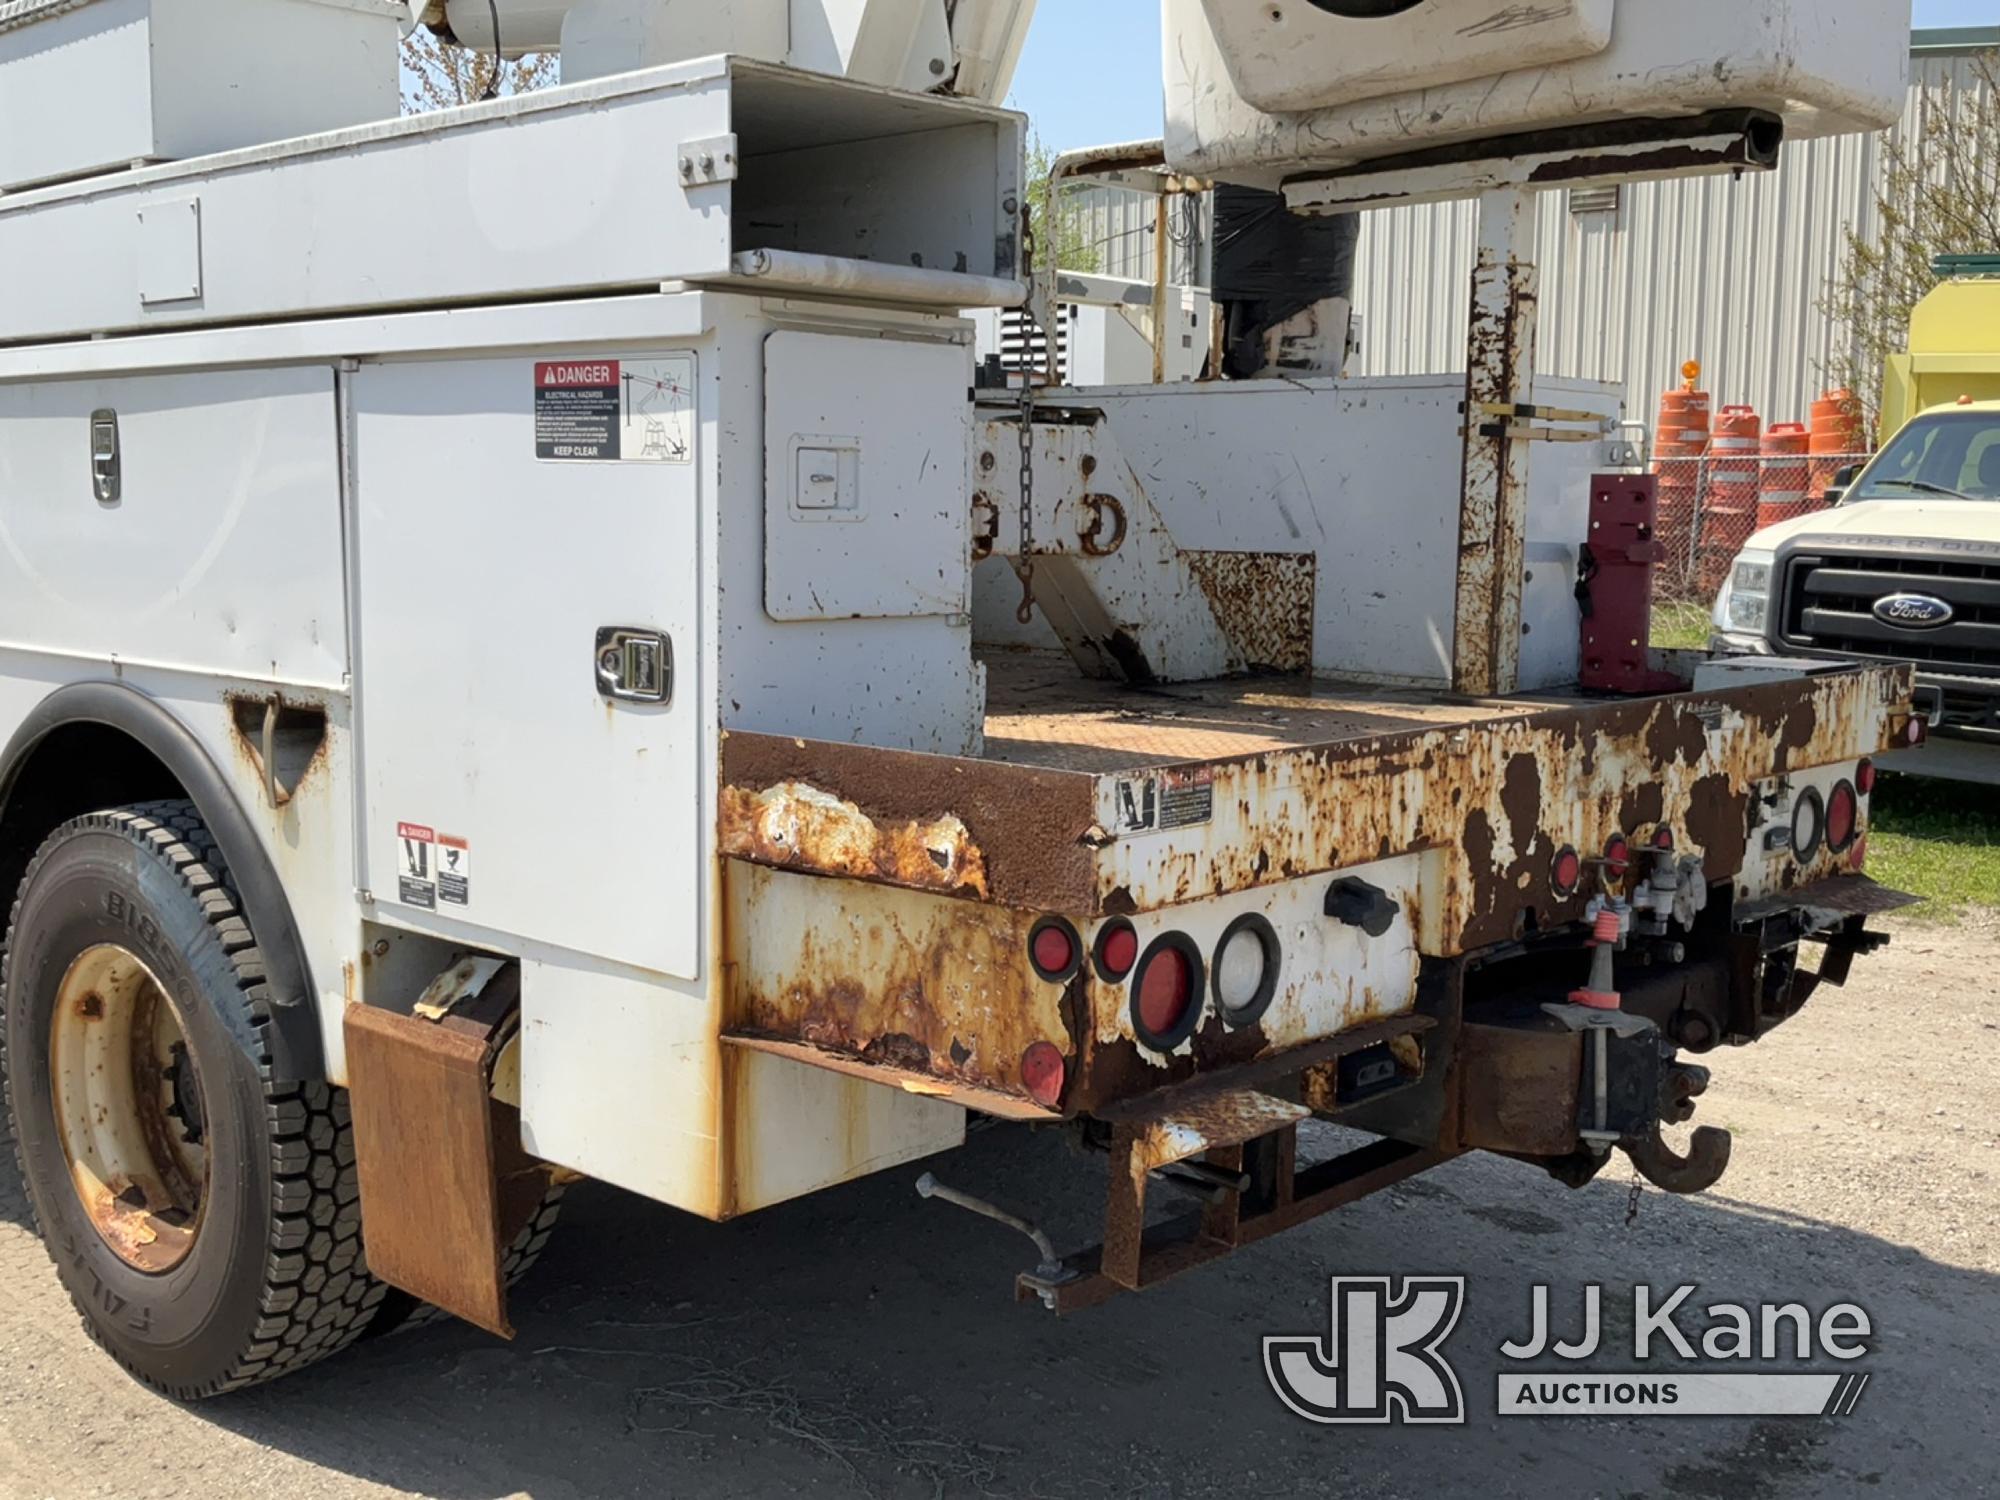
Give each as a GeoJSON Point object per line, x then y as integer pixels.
{"type": "Point", "coordinates": [1938, 194]}
{"type": "Point", "coordinates": [1068, 245]}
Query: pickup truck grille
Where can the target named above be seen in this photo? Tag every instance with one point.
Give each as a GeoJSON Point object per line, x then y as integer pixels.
{"type": "Point", "coordinates": [1829, 607]}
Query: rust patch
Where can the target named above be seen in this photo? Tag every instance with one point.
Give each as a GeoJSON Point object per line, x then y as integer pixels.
{"type": "Point", "coordinates": [1209, 1123]}
{"type": "Point", "coordinates": [918, 983]}
{"type": "Point", "coordinates": [1643, 807]}
{"type": "Point", "coordinates": [1521, 801]}
{"type": "Point", "coordinates": [796, 826]}
{"type": "Point", "coordinates": [1495, 798]}
{"type": "Point", "coordinates": [300, 735]}
{"type": "Point", "coordinates": [1265, 603]}
{"type": "Point", "coordinates": [1718, 824]}
{"type": "Point", "coordinates": [1033, 828]}
{"type": "Point", "coordinates": [91, 1006]}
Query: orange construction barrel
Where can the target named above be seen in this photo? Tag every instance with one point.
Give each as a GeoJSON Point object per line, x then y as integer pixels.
{"type": "Point", "coordinates": [1838, 438]}
{"type": "Point", "coordinates": [1729, 506]}
{"type": "Point", "coordinates": [1787, 481]}
{"type": "Point", "coordinates": [1678, 452]}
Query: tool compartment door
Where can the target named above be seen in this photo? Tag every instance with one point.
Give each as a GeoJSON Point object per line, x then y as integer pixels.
{"type": "Point", "coordinates": [503, 790]}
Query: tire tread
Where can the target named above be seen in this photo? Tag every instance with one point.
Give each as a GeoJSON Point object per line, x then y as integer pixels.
{"type": "Point", "coordinates": [317, 1295]}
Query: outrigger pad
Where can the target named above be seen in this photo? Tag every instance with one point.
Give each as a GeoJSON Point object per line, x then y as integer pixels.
{"type": "Point", "coordinates": [445, 1185]}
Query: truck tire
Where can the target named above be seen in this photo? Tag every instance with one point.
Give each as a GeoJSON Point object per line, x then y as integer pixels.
{"type": "Point", "coordinates": [205, 1220]}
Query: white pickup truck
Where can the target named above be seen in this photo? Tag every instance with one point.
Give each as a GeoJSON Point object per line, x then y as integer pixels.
{"type": "Point", "coordinates": [1905, 567]}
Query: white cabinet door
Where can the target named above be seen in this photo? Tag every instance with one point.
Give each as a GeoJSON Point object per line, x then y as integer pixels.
{"type": "Point", "coordinates": [504, 790]}
{"type": "Point", "coordinates": [216, 547]}
{"type": "Point", "coordinates": [866, 513]}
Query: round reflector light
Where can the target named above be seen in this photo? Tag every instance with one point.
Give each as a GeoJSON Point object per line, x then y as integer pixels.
{"type": "Point", "coordinates": [1864, 778]}
{"type": "Point", "coordinates": [1808, 824]}
{"type": "Point", "coordinates": [1618, 854]}
{"type": "Point", "coordinates": [1166, 998]}
{"type": "Point", "coordinates": [1568, 872]}
{"type": "Point", "coordinates": [1247, 962]}
{"type": "Point", "coordinates": [1043, 1071]}
{"type": "Point", "coordinates": [1664, 839]}
{"type": "Point", "coordinates": [1843, 818]}
{"type": "Point", "coordinates": [1054, 949]}
{"type": "Point", "coordinates": [1117, 952]}
{"type": "Point", "coordinates": [1915, 732]}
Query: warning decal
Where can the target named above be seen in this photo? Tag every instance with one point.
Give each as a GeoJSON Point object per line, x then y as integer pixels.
{"type": "Point", "coordinates": [635, 411]}
{"type": "Point", "coordinates": [416, 861]}
{"type": "Point", "coordinates": [1138, 804]}
{"type": "Point", "coordinates": [454, 865]}
{"type": "Point", "coordinates": [1187, 798]}
{"type": "Point", "coordinates": [1170, 800]}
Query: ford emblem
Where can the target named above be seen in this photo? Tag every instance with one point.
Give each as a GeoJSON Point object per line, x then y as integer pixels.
{"type": "Point", "coordinates": [1914, 611]}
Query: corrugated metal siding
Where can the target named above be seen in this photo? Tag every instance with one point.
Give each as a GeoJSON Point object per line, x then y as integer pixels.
{"type": "Point", "coordinates": [1118, 223]}
{"type": "Point", "coordinates": [1736, 274]}
{"type": "Point", "coordinates": [1733, 273]}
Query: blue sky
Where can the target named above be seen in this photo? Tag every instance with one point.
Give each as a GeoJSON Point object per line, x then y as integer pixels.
{"type": "Point", "coordinates": [1091, 71]}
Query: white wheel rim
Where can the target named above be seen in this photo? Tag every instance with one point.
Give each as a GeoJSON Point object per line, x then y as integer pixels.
{"type": "Point", "coordinates": [129, 1108]}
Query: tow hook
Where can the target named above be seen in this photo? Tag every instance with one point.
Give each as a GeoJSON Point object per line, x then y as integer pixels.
{"type": "Point", "coordinates": [1050, 1274]}
{"type": "Point", "coordinates": [1669, 1171]}
{"type": "Point", "coordinates": [1707, 1157]}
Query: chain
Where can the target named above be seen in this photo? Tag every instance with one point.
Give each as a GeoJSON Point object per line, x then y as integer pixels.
{"type": "Point", "coordinates": [1024, 557]}
{"type": "Point", "coordinates": [1024, 563]}
{"type": "Point", "coordinates": [1632, 1199]}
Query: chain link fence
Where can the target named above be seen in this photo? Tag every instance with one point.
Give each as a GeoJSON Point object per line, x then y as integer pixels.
{"type": "Point", "coordinates": [1710, 506]}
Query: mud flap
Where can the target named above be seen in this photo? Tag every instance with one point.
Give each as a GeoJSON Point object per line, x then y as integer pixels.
{"type": "Point", "coordinates": [445, 1185]}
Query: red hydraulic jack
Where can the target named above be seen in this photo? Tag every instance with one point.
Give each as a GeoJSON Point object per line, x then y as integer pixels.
{"type": "Point", "coordinates": [1620, 564]}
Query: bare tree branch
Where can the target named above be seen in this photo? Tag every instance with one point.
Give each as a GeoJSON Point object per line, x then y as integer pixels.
{"type": "Point", "coordinates": [439, 75]}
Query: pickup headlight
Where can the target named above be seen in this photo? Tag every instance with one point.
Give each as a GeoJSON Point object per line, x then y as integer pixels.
{"type": "Point", "coordinates": [1744, 607]}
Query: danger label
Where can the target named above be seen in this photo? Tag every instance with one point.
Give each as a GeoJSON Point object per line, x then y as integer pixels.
{"type": "Point", "coordinates": [639, 411]}
{"type": "Point", "coordinates": [416, 865]}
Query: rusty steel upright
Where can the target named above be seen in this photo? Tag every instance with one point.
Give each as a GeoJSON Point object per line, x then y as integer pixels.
{"type": "Point", "coordinates": [1500, 374]}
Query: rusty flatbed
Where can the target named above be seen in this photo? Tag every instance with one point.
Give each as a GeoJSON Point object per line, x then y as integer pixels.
{"type": "Point", "coordinates": [1041, 713]}
{"type": "Point", "coordinates": [1093, 800]}
{"type": "Point", "coordinates": [879, 901]}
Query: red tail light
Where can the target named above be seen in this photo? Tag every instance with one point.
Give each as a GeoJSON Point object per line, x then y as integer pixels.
{"type": "Point", "coordinates": [1117, 952]}
{"type": "Point", "coordinates": [1664, 839]}
{"type": "Point", "coordinates": [1843, 818]}
{"type": "Point", "coordinates": [1044, 1070]}
{"type": "Point", "coordinates": [1054, 949]}
{"type": "Point", "coordinates": [1567, 873]}
{"type": "Point", "coordinates": [1618, 856]}
{"type": "Point", "coordinates": [1166, 999]}
{"type": "Point", "coordinates": [1917, 732]}
{"type": "Point", "coordinates": [1864, 778]}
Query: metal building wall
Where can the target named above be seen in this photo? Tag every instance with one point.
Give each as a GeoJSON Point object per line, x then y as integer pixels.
{"type": "Point", "coordinates": [1118, 223]}
{"type": "Point", "coordinates": [1733, 273]}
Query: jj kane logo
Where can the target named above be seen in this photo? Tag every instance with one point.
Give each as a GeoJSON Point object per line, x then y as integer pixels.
{"type": "Point", "coordinates": [1382, 1360]}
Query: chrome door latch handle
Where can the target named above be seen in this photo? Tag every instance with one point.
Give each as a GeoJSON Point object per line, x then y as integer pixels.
{"type": "Point", "coordinates": [107, 466]}
{"type": "Point", "coordinates": [634, 665]}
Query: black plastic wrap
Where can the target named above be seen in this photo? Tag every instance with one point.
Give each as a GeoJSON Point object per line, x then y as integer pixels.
{"type": "Point", "coordinates": [1272, 264]}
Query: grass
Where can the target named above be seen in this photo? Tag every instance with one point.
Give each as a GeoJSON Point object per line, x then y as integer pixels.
{"type": "Point", "coordinates": [1939, 840]}
{"type": "Point", "coordinates": [1680, 627]}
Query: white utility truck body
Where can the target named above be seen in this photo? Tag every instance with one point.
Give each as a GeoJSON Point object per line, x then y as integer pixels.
{"type": "Point", "coordinates": [543, 543]}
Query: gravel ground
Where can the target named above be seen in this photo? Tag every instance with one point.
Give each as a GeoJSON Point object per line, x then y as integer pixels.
{"type": "Point", "coordinates": [863, 1343]}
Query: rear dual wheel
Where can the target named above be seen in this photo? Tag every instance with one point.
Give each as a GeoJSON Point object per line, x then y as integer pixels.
{"type": "Point", "coordinates": [205, 1218]}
